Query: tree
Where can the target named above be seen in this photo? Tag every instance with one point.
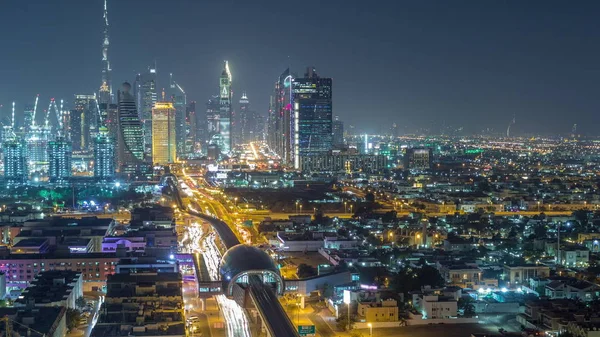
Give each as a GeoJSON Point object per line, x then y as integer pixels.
{"type": "Point", "coordinates": [80, 302]}
{"type": "Point", "coordinates": [466, 303]}
{"type": "Point", "coordinates": [73, 318]}
{"type": "Point", "coordinates": [342, 321]}
{"type": "Point", "coordinates": [370, 197]}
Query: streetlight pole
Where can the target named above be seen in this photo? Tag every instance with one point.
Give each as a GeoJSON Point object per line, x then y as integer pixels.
{"type": "Point", "coordinates": [370, 329]}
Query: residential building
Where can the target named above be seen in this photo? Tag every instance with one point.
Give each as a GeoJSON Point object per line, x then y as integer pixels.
{"type": "Point", "coordinates": [520, 274]}
{"type": "Point", "coordinates": [49, 321]}
{"type": "Point", "coordinates": [418, 159]}
{"type": "Point", "coordinates": [104, 155]}
{"type": "Point", "coordinates": [146, 94]}
{"type": "Point", "coordinates": [53, 288]}
{"type": "Point", "coordinates": [432, 305]}
{"type": "Point", "coordinates": [59, 157]}
{"type": "Point", "coordinates": [15, 161]}
{"type": "Point", "coordinates": [378, 311]}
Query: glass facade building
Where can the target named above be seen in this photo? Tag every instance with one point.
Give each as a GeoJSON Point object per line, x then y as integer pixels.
{"type": "Point", "coordinates": [15, 161]}
{"type": "Point", "coordinates": [312, 116]}
{"type": "Point", "coordinates": [130, 134]}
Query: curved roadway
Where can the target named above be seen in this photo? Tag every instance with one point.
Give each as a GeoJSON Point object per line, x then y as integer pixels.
{"type": "Point", "coordinates": [277, 321]}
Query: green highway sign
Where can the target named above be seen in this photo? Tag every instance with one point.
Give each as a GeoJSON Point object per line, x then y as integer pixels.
{"type": "Point", "coordinates": [306, 330]}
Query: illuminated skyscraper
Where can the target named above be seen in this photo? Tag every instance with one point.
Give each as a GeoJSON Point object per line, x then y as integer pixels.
{"type": "Point", "coordinates": [418, 159]}
{"type": "Point", "coordinates": [130, 136]}
{"type": "Point", "coordinates": [212, 117]}
{"type": "Point", "coordinates": [179, 99]}
{"type": "Point", "coordinates": [59, 157]}
{"type": "Point", "coordinates": [225, 98]}
{"type": "Point", "coordinates": [312, 116]}
{"type": "Point", "coordinates": [191, 128]}
{"type": "Point", "coordinates": [281, 117]}
{"type": "Point", "coordinates": [106, 94]}
{"type": "Point", "coordinates": [145, 89]}
{"type": "Point", "coordinates": [164, 149]}
{"type": "Point", "coordinates": [104, 155]}
{"type": "Point", "coordinates": [80, 118]}
{"type": "Point", "coordinates": [15, 161]}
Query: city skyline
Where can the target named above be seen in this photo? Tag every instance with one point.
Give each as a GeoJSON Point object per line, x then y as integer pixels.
{"type": "Point", "coordinates": [433, 77]}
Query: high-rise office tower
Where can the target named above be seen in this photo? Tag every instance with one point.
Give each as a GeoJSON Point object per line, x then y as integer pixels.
{"type": "Point", "coordinates": [312, 116]}
{"type": "Point", "coordinates": [105, 95]}
{"type": "Point", "coordinates": [212, 118]}
{"type": "Point", "coordinates": [145, 89]}
{"type": "Point", "coordinates": [15, 161]}
{"type": "Point", "coordinates": [104, 155]}
{"type": "Point", "coordinates": [338, 133]}
{"type": "Point", "coordinates": [130, 134]}
{"type": "Point", "coordinates": [225, 98]}
{"type": "Point", "coordinates": [164, 133]}
{"type": "Point", "coordinates": [282, 117]}
{"type": "Point", "coordinates": [179, 99]}
{"type": "Point", "coordinates": [191, 128]}
{"type": "Point", "coordinates": [59, 157]}
{"type": "Point", "coordinates": [243, 120]}
{"type": "Point", "coordinates": [80, 118]}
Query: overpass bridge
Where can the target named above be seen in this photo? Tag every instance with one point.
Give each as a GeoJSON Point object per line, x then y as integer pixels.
{"type": "Point", "coordinates": [247, 266]}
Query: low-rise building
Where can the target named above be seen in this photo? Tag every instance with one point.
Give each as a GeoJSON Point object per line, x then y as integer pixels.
{"type": "Point", "coordinates": [49, 321]}
{"type": "Point", "coordinates": [573, 289]}
{"type": "Point", "coordinates": [378, 311]}
{"type": "Point", "coordinates": [462, 275]}
{"type": "Point", "coordinates": [432, 305]}
{"type": "Point", "coordinates": [521, 274]}
{"type": "Point", "coordinates": [53, 289]}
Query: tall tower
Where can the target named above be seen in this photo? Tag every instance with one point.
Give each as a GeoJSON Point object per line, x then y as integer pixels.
{"type": "Point", "coordinates": [59, 157]}
{"type": "Point", "coordinates": [145, 88]}
{"type": "Point", "coordinates": [312, 116]}
{"type": "Point", "coordinates": [130, 143]}
{"type": "Point", "coordinates": [225, 97]}
{"type": "Point", "coordinates": [104, 155]}
{"type": "Point", "coordinates": [179, 99]}
{"type": "Point", "coordinates": [106, 86]}
{"type": "Point", "coordinates": [164, 133]}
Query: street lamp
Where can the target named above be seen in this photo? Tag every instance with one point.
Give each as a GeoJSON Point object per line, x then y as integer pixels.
{"type": "Point", "coordinates": [345, 207]}
{"type": "Point", "coordinates": [370, 329]}
{"type": "Point", "coordinates": [300, 208]}
{"type": "Point", "coordinates": [296, 206]}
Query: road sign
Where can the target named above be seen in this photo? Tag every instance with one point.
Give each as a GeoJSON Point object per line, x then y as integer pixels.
{"type": "Point", "coordinates": [306, 330]}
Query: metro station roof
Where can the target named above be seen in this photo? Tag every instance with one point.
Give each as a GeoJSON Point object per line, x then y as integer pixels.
{"type": "Point", "coordinates": [241, 258]}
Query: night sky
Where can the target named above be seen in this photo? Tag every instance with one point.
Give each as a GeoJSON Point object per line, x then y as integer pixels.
{"type": "Point", "coordinates": [420, 64]}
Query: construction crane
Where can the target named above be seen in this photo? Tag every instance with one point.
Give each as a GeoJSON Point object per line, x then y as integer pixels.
{"type": "Point", "coordinates": [13, 117]}
{"type": "Point", "coordinates": [8, 331]}
{"type": "Point", "coordinates": [34, 110]}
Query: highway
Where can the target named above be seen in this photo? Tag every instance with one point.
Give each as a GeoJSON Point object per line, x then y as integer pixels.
{"type": "Point", "coordinates": [265, 299]}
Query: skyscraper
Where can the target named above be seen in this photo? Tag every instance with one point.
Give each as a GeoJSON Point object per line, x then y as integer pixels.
{"type": "Point", "coordinates": [145, 87]}
{"type": "Point", "coordinates": [15, 161]}
{"type": "Point", "coordinates": [338, 133]}
{"type": "Point", "coordinates": [179, 103]}
{"type": "Point", "coordinates": [312, 116]}
{"type": "Point", "coordinates": [59, 157]}
{"type": "Point", "coordinates": [212, 118]}
{"type": "Point", "coordinates": [280, 117]}
{"type": "Point", "coordinates": [105, 95]}
{"type": "Point", "coordinates": [244, 120]}
{"type": "Point", "coordinates": [225, 98]}
{"type": "Point", "coordinates": [130, 136]}
{"type": "Point", "coordinates": [164, 149]}
{"type": "Point", "coordinates": [80, 118]}
{"type": "Point", "coordinates": [191, 128]}
{"type": "Point", "coordinates": [104, 155]}
{"type": "Point", "coordinates": [37, 148]}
